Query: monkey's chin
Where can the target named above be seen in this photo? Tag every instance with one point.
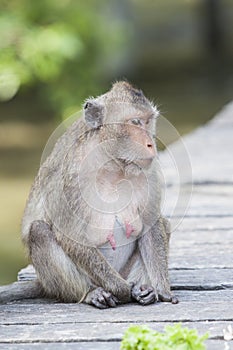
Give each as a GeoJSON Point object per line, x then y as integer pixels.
{"type": "Point", "coordinates": [144, 163]}
{"type": "Point", "coordinates": [136, 167]}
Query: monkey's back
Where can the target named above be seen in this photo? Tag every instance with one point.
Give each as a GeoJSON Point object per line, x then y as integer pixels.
{"type": "Point", "coordinates": [45, 194]}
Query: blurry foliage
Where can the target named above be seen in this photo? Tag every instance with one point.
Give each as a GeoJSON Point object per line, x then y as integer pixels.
{"type": "Point", "coordinates": [60, 46]}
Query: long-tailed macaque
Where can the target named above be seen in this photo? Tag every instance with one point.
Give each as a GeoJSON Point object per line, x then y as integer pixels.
{"type": "Point", "coordinates": [92, 225]}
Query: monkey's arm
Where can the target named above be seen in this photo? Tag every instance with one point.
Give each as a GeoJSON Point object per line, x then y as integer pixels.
{"type": "Point", "coordinates": [153, 246]}
{"type": "Point", "coordinates": [93, 263]}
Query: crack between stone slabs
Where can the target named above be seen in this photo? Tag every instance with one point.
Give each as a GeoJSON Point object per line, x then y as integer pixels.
{"type": "Point", "coordinates": [84, 340]}
{"type": "Point", "coordinates": [202, 288]}
{"type": "Point", "coordinates": [200, 183]}
{"type": "Point", "coordinates": [200, 268]}
{"type": "Point", "coordinates": [219, 216]}
{"type": "Point", "coordinates": [204, 229]}
{"type": "Point", "coordinates": [126, 322]}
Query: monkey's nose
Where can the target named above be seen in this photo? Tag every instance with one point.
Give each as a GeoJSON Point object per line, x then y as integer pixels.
{"type": "Point", "coordinates": [151, 149]}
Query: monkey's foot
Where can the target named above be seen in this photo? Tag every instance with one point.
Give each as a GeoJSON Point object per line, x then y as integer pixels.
{"type": "Point", "coordinates": [168, 297]}
{"type": "Point", "coordinates": [144, 295]}
{"type": "Point", "coordinates": [102, 299]}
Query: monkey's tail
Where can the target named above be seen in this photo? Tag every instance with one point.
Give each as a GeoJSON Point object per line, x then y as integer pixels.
{"type": "Point", "coordinates": [21, 290]}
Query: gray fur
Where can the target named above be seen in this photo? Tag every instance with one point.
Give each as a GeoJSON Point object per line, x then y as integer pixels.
{"type": "Point", "coordinates": [75, 241]}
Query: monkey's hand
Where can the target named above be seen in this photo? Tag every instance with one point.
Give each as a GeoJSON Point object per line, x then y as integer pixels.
{"type": "Point", "coordinates": [144, 294]}
{"type": "Point", "coordinates": [102, 299]}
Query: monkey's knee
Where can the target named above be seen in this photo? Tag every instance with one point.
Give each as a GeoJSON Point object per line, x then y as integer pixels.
{"type": "Point", "coordinates": [39, 227]}
{"type": "Point", "coordinates": [40, 233]}
{"type": "Point", "coordinates": [58, 275]}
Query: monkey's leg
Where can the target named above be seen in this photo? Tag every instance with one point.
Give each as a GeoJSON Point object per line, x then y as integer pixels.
{"type": "Point", "coordinates": [135, 271]}
{"type": "Point", "coordinates": [100, 272]}
{"type": "Point", "coordinates": [153, 246]}
{"type": "Point", "coordinates": [72, 275]}
{"type": "Point", "coordinates": [57, 274]}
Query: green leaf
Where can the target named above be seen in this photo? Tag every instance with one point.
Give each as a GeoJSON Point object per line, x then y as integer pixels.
{"type": "Point", "coordinates": [174, 337]}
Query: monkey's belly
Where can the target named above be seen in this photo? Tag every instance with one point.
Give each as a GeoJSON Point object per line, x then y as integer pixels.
{"type": "Point", "coordinates": [113, 230]}
{"type": "Point", "coordinates": [120, 244]}
{"type": "Point", "coordinates": [118, 257]}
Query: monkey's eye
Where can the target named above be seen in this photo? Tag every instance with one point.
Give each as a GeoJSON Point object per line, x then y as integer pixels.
{"type": "Point", "coordinates": [136, 121]}
{"type": "Point", "coordinates": [87, 104]}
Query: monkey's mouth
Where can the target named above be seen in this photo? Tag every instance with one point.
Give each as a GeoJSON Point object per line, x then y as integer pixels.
{"type": "Point", "coordinates": [143, 162]}
{"type": "Point", "coordinates": [139, 162]}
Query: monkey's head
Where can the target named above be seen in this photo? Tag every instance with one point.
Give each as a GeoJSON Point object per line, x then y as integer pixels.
{"type": "Point", "coordinates": [125, 121]}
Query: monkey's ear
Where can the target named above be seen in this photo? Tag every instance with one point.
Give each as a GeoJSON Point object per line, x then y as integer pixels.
{"type": "Point", "coordinates": [93, 114]}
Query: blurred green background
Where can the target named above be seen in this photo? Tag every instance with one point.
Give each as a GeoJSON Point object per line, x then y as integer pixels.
{"type": "Point", "coordinates": [55, 53]}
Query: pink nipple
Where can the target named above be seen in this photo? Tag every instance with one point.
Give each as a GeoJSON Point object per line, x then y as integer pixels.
{"type": "Point", "coordinates": [129, 229]}
{"type": "Point", "coordinates": [111, 240]}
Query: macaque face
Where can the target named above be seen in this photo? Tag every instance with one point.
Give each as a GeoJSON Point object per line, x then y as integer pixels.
{"type": "Point", "coordinates": [142, 145]}
{"type": "Point", "coordinates": [126, 120]}
{"type": "Point", "coordinates": [134, 140]}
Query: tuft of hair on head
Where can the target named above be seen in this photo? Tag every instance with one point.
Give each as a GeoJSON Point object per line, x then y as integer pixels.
{"type": "Point", "coordinates": [126, 92]}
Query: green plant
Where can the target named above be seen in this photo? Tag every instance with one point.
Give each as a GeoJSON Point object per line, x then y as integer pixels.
{"type": "Point", "coordinates": [174, 337]}
{"type": "Point", "coordinates": [61, 47]}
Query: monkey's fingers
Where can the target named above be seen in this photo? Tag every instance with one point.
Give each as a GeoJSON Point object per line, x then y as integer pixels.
{"type": "Point", "coordinates": [137, 293]}
{"type": "Point", "coordinates": [99, 305]}
{"type": "Point", "coordinates": [145, 287]}
{"type": "Point", "coordinates": [103, 299]}
{"type": "Point", "coordinates": [110, 299]}
{"type": "Point", "coordinates": [146, 290]}
{"type": "Point", "coordinates": [147, 295]}
{"type": "Point", "coordinates": [149, 299]}
{"type": "Point", "coordinates": [144, 295]}
{"type": "Point", "coordinates": [98, 299]}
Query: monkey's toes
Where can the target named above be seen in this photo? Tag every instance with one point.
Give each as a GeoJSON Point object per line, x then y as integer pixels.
{"type": "Point", "coordinates": [103, 299]}
{"type": "Point", "coordinates": [167, 297]}
{"type": "Point", "coordinates": [174, 300]}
